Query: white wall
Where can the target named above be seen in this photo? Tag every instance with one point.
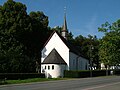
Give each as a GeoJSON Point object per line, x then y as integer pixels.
{"type": "Point", "coordinates": [57, 43]}
{"type": "Point", "coordinates": [78, 63]}
{"type": "Point", "coordinates": [57, 72]}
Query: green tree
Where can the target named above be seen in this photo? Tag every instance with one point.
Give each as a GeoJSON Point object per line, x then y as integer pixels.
{"type": "Point", "coordinates": [12, 22]}
{"type": "Point", "coordinates": [37, 36]}
{"type": "Point", "coordinates": [59, 29]}
{"type": "Point", "coordinates": [109, 51]}
{"type": "Point", "coordinates": [21, 37]}
{"type": "Point", "coordinates": [84, 46]}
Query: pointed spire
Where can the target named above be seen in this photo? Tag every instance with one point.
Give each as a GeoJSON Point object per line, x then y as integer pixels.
{"type": "Point", "coordinates": [64, 29]}
{"type": "Point", "coordinates": [65, 24]}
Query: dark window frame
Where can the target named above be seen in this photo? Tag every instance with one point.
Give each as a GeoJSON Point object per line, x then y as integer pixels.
{"type": "Point", "coordinates": [45, 67]}
{"type": "Point", "coordinates": [52, 67]}
{"type": "Point", "coordinates": [48, 67]}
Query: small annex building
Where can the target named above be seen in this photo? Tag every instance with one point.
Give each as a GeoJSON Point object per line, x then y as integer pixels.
{"type": "Point", "coordinates": [58, 55]}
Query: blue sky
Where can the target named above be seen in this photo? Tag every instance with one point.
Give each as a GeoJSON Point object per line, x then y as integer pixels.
{"type": "Point", "coordinates": [83, 16]}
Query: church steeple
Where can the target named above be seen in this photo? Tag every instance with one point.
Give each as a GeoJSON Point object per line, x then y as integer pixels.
{"type": "Point", "coordinates": [65, 23]}
{"type": "Point", "coordinates": [64, 28]}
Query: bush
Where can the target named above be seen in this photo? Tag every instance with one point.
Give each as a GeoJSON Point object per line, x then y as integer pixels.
{"type": "Point", "coordinates": [16, 76]}
{"type": "Point", "coordinates": [76, 74]}
{"type": "Point", "coordinates": [101, 73]}
{"type": "Point", "coordinates": [116, 72]}
{"type": "Point", "coordinates": [86, 73]}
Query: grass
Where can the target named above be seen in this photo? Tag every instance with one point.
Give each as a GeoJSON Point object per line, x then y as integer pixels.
{"type": "Point", "coordinates": [30, 80]}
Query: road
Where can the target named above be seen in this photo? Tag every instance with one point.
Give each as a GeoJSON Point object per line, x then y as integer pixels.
{"type": "Point", "coordinates": [99, 83]}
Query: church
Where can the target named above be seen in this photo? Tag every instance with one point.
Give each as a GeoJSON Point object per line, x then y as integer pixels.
{"type": "Point", "coordinates": [58, 55]}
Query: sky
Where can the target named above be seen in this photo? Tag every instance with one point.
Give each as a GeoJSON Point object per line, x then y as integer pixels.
{"type": "Point", "coordinates": [83, 16]}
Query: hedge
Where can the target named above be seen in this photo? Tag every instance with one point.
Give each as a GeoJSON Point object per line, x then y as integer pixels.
{"type": "Point", "coordinates": [86, 73]}
{"type": "Point", "coordinates": [116, 72]}
{"type": "Point", "coordinates": [16, 76]}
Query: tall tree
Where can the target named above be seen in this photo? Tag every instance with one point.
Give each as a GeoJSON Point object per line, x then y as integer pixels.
{"type": "Point", "coordinates": [37, 36]}
{"type": "Point", "coordinates": [13, 21]}
{"type": "Point", "coordinates": [88, 46]}
{"type": "Point", "coordinates": [109, 51]}
{"type": "Point", "coordinates": [21, 37]}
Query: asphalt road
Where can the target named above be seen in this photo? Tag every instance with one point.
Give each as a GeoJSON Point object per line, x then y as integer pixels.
{"type": "Point", "coordinates": [99, 83]}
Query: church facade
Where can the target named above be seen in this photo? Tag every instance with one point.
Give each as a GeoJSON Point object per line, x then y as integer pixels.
{"type": "Point", "coordinates": [59, 55]}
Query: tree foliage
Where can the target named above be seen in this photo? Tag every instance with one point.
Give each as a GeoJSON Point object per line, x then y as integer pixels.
{"type": "Point", "coordinates": [84, 46]}
{"type": "Point", "coordinates": [21, 37]}
{"type": "Point", "coordinates": [109, 51]}
{"type": "Point", "coordinates": [59, 29]}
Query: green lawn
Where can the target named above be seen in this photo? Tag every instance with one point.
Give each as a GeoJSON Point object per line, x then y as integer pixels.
{"type": "Point", "coordinates": [30, 80]}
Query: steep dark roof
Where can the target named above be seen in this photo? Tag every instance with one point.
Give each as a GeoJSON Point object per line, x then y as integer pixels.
{"type": "Point", "coordinates": [69, 45]}
{"type": "Point", "coordinates": [54, 58]}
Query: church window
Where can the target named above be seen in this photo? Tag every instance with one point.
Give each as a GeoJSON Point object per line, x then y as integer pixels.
{"type": "Point", "coordinates": [52, 67]}
{"type": "Point", "coordinates": [45, 67]}
{"type": "Point", "coordinates": [48, 67]}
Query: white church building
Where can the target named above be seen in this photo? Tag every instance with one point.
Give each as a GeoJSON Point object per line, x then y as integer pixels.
{"type": "Point", "coordinates": [59, 55]}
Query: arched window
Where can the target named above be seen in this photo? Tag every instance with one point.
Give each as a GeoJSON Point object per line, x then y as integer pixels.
{"type": "Point", "coordinates": [48, 67]}
{"type": "Point", "coordinates": [52, 67]}
{"type": "Point", "coordinates": [45, 67]}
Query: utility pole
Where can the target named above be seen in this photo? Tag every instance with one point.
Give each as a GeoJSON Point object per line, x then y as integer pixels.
{"type": "Point", "coordinates": [90, 55]}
